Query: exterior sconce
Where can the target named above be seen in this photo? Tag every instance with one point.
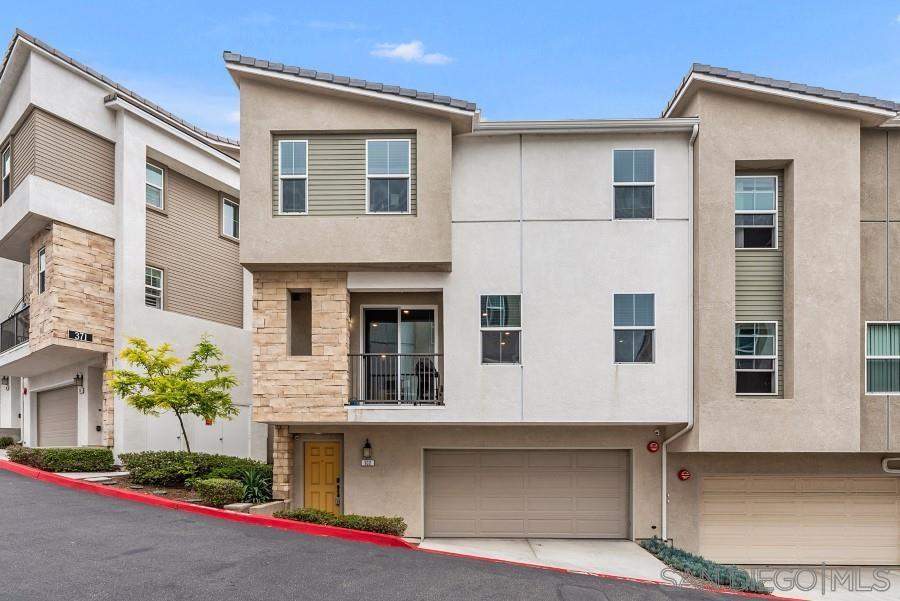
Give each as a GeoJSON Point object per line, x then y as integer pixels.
{"type": "Point", "coordinates": [367, 460]}
{"type": "Point", "coordinates": [4, 381]}
{"type": "Point", "coordinates": [79, 382]}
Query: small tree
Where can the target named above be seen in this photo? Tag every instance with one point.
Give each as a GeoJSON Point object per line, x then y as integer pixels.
{"type": "Point", "coordinates": [201, 386]}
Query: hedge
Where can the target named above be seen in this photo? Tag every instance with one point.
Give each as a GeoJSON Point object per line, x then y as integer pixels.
{"type": "Point", "coordinates": [383, 525]}
{"type": "Point", "coordinates": [219, 492]}
{"type": "Point", "coordinates": [700, 567]}
{"type": "Point", "coordinates": [173, 468]}
{"type": "Point", "coordinates": [6, 441]}
{"type": "Point", "coordinates": [79, 459]}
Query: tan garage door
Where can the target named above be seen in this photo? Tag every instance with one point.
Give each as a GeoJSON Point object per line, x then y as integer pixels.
{"type": "Point", "coordinates": [549, 494]}
{"type": "Point", "coordinates": [57, 416]}
{"type": "Point", "coordinates": [801, 519]}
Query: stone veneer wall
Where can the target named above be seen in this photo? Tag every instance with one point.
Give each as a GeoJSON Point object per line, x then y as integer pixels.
{"type": "Point", "coordinates": [292, 389]}
{"type": "Point", "coordinates": [282, 463]}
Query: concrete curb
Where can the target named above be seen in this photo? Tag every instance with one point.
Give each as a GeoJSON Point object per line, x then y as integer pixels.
{"type": "Point", "coordinates": [383, 540]}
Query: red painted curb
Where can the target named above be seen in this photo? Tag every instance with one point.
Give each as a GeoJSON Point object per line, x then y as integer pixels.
{"type": "Point", "coordinates": [383, 540]}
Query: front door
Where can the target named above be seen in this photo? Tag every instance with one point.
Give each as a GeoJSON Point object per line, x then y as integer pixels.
{"type": "Point", "coordinates": [322, 475]}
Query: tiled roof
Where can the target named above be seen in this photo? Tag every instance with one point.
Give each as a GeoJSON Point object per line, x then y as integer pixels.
{"type": "Point", "coordinates": [120, 89]}
{"type": "Point", "coordinates": [781, 84]}
{"type": "Point", "coordinates": [342, 80]}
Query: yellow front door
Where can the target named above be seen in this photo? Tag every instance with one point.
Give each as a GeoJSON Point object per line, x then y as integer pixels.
{"type": "Point", "coordinates": [322, 475]}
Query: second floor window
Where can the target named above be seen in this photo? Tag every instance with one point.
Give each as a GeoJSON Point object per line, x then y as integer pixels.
{"type": "Point", "coordinates": [633, 183]}
{"type": "Point", "coordinates": [755, 211]}
{"type": "Point", "coordinates": [292, 177]}
{"type": "Point", "coordinates": [231, 218]}
{"type": "Point", "coordinates": [501, 328]}
{"type": "Point", "coordinates": [154, 186]}
{"type": "Point", "coordinates": [388, 176]}
{"type": "Point", "coordinates": [42, 270]}
{"type": "Point", "coordinates": [756, 357]}
{"type": "Point", "coordinates": [883, 358]}
{"type": "Point", "coordinates": [634, 321]}
{"type": "Point", "coordinates": [153, 287]}
{"type": "Point", "coordinates": [5, 170]}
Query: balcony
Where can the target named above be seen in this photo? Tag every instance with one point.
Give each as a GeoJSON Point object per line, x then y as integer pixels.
{"type": "Point", "coordinates": [14, 330]}
{"type": "Point", "coordinates": [396, 379]}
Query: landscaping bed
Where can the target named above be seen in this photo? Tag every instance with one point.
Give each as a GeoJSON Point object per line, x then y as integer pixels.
{"type": "Point", "coordinates": [176, 493]}
{"type": "Point", "coordinates": [394, 526]}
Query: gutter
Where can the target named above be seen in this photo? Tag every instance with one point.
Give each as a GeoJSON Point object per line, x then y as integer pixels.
{"type": "Point", "coordinates": [584, 126]}
{"type": "Point", "coordinates": [664, 525]}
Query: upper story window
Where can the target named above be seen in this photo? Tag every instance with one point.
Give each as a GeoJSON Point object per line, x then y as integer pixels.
{"type": "Point", "coordinates": [756, 357]}
{"type": "Point", "coordinates": [154, 186]}
{"type": "Point", "coordinates": [634, 320]}
{"type": "Point", "coordinates": [755, 211]}
{"type": "Point", "coordinates": [388, 176]}
{"type": "Point", "coordinates": [42, 270]}
{"type": "Point", "coordinates": [231, 218]}
{"type": "Point", "coordinates": [501, 328]}
{"type": "Point", "coordinates": [634, 173]}
{"type": "Point", "coordinates": [5, 171]}
{"type": "Point", "coordinates": [883, 358]}
{"type": "Point", "coordinates": [292, 176]}
{"type": "Point", "coordinates": [153, 287]}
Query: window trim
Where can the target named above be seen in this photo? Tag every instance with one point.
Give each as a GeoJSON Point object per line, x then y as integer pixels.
{"type": "Point", "coordinates": [408, 177]}
{"type": "Point", "coordinates": [4, 150]}
{"type": "Point", "coordinates": [775, 370]}
{"type": "Point", "coordinates": [227, 199]}
{"type": "Point", "coordinates": [866, 356]}
{"type": "Point", "coordinates": [162, 287]}
{"type": "Point", "coordinates": [400, 307]}
{"type": "Point", "coordinates": [615, 327]}
{"type": "Point", "coordinates": [42, 257]}
{"type": "Point", "coordinates": [281, 178]}
{"type": "Point", "coordinates": [518, 329]}
{"type": "Point", "coordinates": [161, 188]}
{"type": "Point", "coordinates": [774, 212]}
{"type": "Point", "coordinates": [612, 178]}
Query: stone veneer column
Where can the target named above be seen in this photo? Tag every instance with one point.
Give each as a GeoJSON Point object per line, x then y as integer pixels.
{"type": "Point", "coordinates": [108, 408]}
{"type": "Point", "coordinates": [283, 463]}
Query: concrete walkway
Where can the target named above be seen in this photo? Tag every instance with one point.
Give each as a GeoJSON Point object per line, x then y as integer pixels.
{"type": "Point", "coordinates": [613, 557]}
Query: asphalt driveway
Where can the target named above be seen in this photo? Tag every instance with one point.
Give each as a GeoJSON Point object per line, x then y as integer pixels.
{"type": "Point", "coordinates": [58, 543]}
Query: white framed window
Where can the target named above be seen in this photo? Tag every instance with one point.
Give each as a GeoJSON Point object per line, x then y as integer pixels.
{"type": "Point", "coordinates": [634, 326]}
{"type": "Point", "coordinates": [634, 182]}
{"type": "Point", "coordinates": [231, 218]}
{"type": "Point", "coordinates": [154, 186]}
{"type": "Point", "coordinates": [883, 357]}
{"type": "Point", "coordinates": [756, 211]}
{"type": "Point", "coordinates": [42, 270]}
{"type": "Point", "coordinates": [756, 357]}
{"type": "Point", "coordinates": [388, 176]}
{"type": "Point", "coordinates": [501, 329]}
{"type": "Point", "coordinates": [5, 173]}
{"type": "Point", "coordinates": [293, 178]}
{"type": "Point", "coordinates": [153, 287]}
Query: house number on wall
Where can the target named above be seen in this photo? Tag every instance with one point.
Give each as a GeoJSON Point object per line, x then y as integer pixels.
{"type": "Point", "coordinates": [80, 336]}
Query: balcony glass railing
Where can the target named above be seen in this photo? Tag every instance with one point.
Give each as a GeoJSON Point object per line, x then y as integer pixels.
{"type": "Point", "coordinates": [396, 379]}
{"type": "Point", "coordinates": [14, 330]}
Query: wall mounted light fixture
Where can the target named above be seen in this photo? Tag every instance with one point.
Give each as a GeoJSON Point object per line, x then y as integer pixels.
{"type": "Point", "coordinates": [79, 382]}
{"type": "Point", "coordinates": [4, 381]}
{"type": "Point", "coordinates": [367, 460]}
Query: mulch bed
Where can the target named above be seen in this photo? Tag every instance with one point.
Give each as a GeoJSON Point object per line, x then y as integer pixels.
{"type": "Point", "coordinates": [166, 492]}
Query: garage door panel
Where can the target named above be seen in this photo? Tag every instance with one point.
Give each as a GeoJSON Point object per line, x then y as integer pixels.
{"type": "Point", "coordinates": [57, 417]}
{"type": "Point", "coordinates": [837, 520]}
{"type": "Point", "coordinates": [535, 493]}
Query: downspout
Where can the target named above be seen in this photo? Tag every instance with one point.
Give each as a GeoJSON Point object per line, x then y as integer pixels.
{"type": "Point", "coordinates": [664, 526]}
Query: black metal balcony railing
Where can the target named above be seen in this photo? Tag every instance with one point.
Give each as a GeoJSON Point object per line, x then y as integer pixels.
{"type": "Point", "coordinates": [396, 379]}
{"type": "Point", "coordinates": [14, 330]}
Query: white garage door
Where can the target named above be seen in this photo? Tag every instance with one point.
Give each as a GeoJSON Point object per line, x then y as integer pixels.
{"type": "Point", "coordinates": [527, 493]}
{"type": "Point", "coordinates": [57, 416]}
{"type": "Point", "coordinates": [801, 519]}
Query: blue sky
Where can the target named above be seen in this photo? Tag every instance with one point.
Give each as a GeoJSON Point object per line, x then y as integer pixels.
{"type": "Point", "coordinates": [517, 60]}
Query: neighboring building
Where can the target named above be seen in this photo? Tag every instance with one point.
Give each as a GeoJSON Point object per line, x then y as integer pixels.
{"type": "Point", "coordinates": [126, 218]}
{"type": "Point", "coordinates": [497, 313]}
{"type": "Point", "coordinates": [797, 338]}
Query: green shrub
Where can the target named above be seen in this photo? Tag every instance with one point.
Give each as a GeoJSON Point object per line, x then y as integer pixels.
{"type": "Point", "coordinates": [700, 567]}
{"type": "Point", "coordinates": [383, 525]}
{"type": "Point", "coordinates": [6, 441]}
{"type": "Point", "coordinates": [257, 487]}
{"type": "Point", "coordinates": [77, 459]}
{"type": "Point", "coordinates": [175, 468]}
{"type": "Point", "coordinates": [219, 492]}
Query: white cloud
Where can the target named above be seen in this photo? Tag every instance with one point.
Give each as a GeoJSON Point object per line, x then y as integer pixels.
{"type": "Point", "coordinates": [410, 52]}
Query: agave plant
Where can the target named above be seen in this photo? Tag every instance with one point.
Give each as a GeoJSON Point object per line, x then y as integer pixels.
{"type": "Point", "coordinates": [257, 486]}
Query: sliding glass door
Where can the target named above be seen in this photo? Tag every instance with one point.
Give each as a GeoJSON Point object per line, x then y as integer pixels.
{"type": "Point", "coordinates": [399, 346]}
